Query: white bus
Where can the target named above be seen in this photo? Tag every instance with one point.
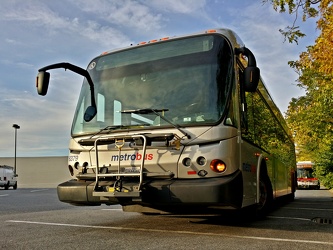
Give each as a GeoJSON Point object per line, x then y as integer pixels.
{"type": "Point", "coordinates": [176, 125]}
{"type": "Point", "coordinates": [305, 176]}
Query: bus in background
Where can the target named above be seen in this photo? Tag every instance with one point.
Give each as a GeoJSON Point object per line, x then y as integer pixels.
{"type": "Point", "coordinates": [305, 176]}
{"type": "Point", "coordinates": [177, 125]}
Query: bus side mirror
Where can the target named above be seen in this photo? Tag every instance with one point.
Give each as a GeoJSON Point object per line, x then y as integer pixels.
{"type": "Point", "coordinates": [90, 113]}
{"type": "Point", "coordinates": [251, 74]}
{"type": "Point", "coordinates": [42, 82]}
{"type": "Point", "coordinates": [251, 78]}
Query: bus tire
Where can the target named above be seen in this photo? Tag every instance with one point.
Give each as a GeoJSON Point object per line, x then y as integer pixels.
{"type": "Point", "coordinates": [265, 197]}
{"type": "Point", "coordinates": [15, 186]}
{"type": "Point", "coordinates": [7, 186]}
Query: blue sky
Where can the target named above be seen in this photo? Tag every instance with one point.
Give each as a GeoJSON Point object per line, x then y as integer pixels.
{"type": "Point", "coordinates": [35, 33]}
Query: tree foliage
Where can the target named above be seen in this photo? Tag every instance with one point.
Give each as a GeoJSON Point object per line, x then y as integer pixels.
{"type": "Point", "coordinates": [311, 115]}
{"type": "Point", "coordinates": [295, 7]}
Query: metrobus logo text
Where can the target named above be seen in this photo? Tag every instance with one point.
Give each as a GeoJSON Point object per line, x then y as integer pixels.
{"type": "Point", "coordinates": [131, 157]}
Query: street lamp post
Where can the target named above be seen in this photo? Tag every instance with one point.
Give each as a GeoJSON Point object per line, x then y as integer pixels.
{"type": "Point", "coordinates": [16, 127]}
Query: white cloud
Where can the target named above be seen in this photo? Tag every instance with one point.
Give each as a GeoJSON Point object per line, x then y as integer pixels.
{"type": "Point", "coordinates": [45, 121]}
{"type": "Point", "coordinates": [179, 6]}
{"type": "Point", "coordinates": [126, 13]}
{"type": "Point", "coordinates": [51, 23]}
{"type": "Point", "coordinates": [104, 35]}
{"type": "Point", "coordinates": [12, 41]}
{"type": "Point", "coordinates": [29, 11]}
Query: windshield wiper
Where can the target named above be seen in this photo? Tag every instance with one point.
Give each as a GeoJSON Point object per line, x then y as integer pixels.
{"type": "Point", "coordinates": [107, 128]}
{"type": "Point", "coordinates": [143, 111]}
{"type": "Point", "coordinates": [156, 112]}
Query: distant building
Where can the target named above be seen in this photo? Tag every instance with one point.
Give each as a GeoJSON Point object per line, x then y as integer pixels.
{"type": "Point", "coordinates": [39, 172]}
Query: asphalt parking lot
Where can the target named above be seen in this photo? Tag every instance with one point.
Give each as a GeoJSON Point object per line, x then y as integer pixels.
{"type": "Point", "coordinates": [35, 219]}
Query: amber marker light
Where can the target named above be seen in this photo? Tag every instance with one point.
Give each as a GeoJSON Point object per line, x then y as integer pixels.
{"type": "Point", "coordinates": [211, 31]}
{"type": "Point", "coordinates": [218, 166]}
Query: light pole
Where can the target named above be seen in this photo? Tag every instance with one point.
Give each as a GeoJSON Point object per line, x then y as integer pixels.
{"type": "Point", "coordinates": [16, 127]}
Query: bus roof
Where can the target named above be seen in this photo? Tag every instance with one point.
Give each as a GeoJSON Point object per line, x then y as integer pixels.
{"type": "Point", "coordinates": [229, 34]}
{"type": "Point", "coordinates": [7, 167]}
{"type": "Point", "coordinates": [305, 164]}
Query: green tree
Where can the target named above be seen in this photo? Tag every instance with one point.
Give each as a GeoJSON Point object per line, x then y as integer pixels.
{"type": "Point", "coordinates": [311, 115]}
{"type": "Point", "coordinates": [295, 7]}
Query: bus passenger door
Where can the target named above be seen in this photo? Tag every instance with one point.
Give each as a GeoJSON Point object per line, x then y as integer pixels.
{"type": "Point", "coordinates": [249, 150]}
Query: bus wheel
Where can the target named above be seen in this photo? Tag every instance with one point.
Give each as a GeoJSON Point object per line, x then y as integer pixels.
{"type": "Point", "coordinates": [15, 186]}
{"type": "Point", "coordinates": [265, 196]}
{"type": "Point", "coordinates": [7, 186]}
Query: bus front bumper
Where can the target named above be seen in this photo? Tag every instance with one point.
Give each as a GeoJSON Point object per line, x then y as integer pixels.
{"type": "Point", "coordinates": [221, 191]}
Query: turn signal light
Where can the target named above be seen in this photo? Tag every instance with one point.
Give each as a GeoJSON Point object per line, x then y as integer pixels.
{"type": "Point", "coordinates": [218, 166]}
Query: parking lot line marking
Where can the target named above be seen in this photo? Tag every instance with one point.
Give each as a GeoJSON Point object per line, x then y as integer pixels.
{"type": "Point", "coordinates": [179, 232]}
{"type": "Point", "coordinates": [37, 190]}
{"type": "Point", "coordinates": [309, 208]}
{"type": "Point", "coordinates": [4, 194]}
{"type": "Point", "coordinates": [289, 218]}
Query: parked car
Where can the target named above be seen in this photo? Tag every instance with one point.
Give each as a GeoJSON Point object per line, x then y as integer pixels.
{"type": "Point", "coordinates": [8, 178]}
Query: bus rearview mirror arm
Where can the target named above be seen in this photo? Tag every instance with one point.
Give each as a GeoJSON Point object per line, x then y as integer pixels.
{"type": "Point", "coordinates": [251, 74]}
{"type": "Point", "coordinates": [43, 79]}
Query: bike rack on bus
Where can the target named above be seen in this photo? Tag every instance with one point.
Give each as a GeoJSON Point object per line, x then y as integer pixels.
{"type": "Point", "coordinates": [119, 142]}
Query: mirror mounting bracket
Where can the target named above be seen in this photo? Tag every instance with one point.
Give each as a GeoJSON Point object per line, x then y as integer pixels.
{"type": "Point", "coordinates": [92, 110]}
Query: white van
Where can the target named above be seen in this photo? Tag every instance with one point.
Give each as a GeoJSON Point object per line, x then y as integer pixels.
{"type": "Point", "coordinates": [7, 177]}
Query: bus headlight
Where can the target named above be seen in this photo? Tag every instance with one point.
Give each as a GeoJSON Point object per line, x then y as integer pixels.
{"type": "Point", "coordinates": [218, 166]}
{"type": "Point", "coordinates": [201, 161]}
{"type": "Point", "coordinates": [186, 162]}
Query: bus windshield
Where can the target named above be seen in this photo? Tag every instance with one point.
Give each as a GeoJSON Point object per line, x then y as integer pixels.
{"type": "Point", "coordinates": [187, 81]}
{"type": "Point", "coordinates": [305, 173]}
